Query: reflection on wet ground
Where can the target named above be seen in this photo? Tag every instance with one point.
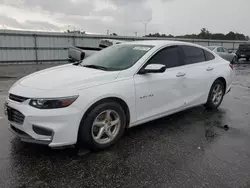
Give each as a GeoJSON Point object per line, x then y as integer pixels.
{"type": "Point", "coordinates": [188, 149]}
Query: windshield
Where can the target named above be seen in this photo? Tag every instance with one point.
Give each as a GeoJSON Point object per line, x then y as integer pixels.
{"type": "Point", "coordinates": [211, 48]}
{"type": "Point", "coordinates": [117, 57]}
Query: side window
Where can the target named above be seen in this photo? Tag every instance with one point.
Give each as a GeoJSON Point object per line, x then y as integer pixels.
{"type": "Point", "coordinates": [168, 56]}
{"type": "Point", "coordinates": [208, 55]}
{"type": "Point", "coordinates": [193, 54]}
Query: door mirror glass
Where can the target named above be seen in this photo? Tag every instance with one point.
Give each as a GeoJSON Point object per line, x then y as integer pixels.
{"type": "Point", "coordinates": [75, 54]}
{"type": "Point", "coordinates": [230, 51]}
{"type": "Point", "coordinates": [153, 68]}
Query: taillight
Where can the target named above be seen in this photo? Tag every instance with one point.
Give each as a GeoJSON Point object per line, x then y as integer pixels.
{"type": "Point", "coordinates": [231, 66]}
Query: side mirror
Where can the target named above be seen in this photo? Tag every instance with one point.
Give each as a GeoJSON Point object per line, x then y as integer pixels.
{"type": "Point", "coordinates": [230, 51]}
{"type": "Point", "coordinates": [75, 54]}
{"type": "Point", "coordinates": [153, 68]}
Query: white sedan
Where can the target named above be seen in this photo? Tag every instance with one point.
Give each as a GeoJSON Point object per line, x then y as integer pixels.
{"type": "Point", "coordinates": [92, 102]}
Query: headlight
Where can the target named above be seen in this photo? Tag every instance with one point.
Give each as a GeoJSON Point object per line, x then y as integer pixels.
{"type": "Point", "coordinates": [52, 103]}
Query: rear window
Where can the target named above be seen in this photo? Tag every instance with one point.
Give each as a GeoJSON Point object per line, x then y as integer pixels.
{"type": "Point", "coordinates": [193, 55]}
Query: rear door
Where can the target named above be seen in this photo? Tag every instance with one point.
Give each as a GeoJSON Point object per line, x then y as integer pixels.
{"type": "Point", "coordinates": [160, 93]}
{"type": "Point", "coordinates": [199, 74]}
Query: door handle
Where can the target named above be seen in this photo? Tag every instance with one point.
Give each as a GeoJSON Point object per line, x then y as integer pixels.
{"type": "Point", "coordinates": [210, 68]}
{"type": "Point", "coordinates": [180, 74]}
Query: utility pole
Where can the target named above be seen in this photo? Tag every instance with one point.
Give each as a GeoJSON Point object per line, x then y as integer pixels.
{"type": "Point", "coordinates": [107, 32]}
{"type": "Point", "coordinates": [136, 33]}
{"type": "Point", "coordinates": [146, 25]}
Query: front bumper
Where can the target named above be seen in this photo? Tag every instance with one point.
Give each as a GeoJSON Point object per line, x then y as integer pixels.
{"type": "Point", "coordinates": [27, 138]}
{"type": "Point", "coordinates": [54, 127]}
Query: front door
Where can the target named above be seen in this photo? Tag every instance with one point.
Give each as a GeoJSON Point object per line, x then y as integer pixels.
{"type": "Point", "coordinates": [160, 93]}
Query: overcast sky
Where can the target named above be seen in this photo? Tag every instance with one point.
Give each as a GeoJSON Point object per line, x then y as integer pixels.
{"type": "Point", "coordinates": [126, 17]}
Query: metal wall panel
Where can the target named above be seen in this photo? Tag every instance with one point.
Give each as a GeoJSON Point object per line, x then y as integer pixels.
{"type": "Point", "coordinates": [202, 43]}
{"type": "Point", "coordinates": [52, 54]}
{"type": "Point", "coordinates": [16, 41]}
{"type": "Point", "coordinates": [228, 45]}
{"type": "Point", "coordinates": [58, 42]}
{"type": "Point", "coordinates": [87, 42]}
{"type": "Point", "coordinates": [215, 43]}
{"type": "Point", "coordinates": [17, 55]}
{"type": "Point", "coordinates": [37, 47]}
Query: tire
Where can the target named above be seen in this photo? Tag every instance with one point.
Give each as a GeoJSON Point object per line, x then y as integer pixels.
{"type": "Point", "coordinates": [247, 58]}
{"type": "Point", "coordinates": [213, 103]}
{"type": "Point", "coordinates": [91, 126]}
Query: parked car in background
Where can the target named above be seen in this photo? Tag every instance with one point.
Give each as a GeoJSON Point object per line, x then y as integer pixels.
{"type": "Point", "coordinates": [224, 53]}
{"type": "Point", "coordinates": [92, 102]}
{"type": "Point", "coordinates": [243, 51]}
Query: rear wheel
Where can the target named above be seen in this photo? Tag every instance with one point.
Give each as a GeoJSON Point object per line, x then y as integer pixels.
{"type": "Point", "coordinates": [216, 95]}
{"type": "Point", "coordinates": [103, 126]}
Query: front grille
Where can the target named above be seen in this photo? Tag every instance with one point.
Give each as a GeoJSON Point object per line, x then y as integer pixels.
{"type": "Point", "coordinates": [15, 116]}
{"type": "Point", "coordinates": [17, 98]}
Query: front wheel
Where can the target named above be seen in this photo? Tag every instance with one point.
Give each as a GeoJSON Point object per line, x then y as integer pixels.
{"type": "Point", "coordinates": [102, 127]}
{"type": "Point", "coordinates": [216, 95]}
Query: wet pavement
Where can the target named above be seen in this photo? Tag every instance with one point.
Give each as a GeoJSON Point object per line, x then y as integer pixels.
{"type": "Point", "coordinates": [188, 149]}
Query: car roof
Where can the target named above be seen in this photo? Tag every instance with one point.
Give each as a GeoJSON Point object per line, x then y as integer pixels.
{"type": "Point", "coordinates": [159, 43]}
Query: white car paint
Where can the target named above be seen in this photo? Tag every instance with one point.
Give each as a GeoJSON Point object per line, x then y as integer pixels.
{"type": "Point", "coordinates": [148, 96]}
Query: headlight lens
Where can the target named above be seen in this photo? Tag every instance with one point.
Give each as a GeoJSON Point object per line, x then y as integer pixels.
{"type": "Point", "coordinates": [52, 103]}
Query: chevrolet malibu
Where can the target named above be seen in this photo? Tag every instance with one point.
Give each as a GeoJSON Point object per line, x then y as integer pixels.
{"type": "Point", "coordinates": [92, 102]}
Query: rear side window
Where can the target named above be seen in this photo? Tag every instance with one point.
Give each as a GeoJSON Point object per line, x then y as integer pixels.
{"type": "Point", "coordinates": [193, 55]}
{"type": "Point", "coordinates": [208, 55]}
{"type": "Point", "coordinates": [168, 56]}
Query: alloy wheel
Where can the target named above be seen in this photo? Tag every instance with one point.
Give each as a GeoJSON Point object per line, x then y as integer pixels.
{"type": "Point", "coordinates": [106, 126]}
{"type": "Point", "coordinates": [217, 94]}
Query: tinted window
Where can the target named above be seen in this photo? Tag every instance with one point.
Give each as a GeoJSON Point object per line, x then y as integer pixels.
{"type": "Point", "coordinates": [168, 56]}
{"type": "Point", "coordinates": [208, 55]}
{"type": "Point", "coordinates": [193, 54]}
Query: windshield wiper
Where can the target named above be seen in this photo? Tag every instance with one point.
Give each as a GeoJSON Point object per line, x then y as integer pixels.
{"type": "Point", "coordinates": [95, 67]}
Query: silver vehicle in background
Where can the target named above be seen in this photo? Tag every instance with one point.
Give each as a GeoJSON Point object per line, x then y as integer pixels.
{"type": "Point", "coordinates": [224, 53]}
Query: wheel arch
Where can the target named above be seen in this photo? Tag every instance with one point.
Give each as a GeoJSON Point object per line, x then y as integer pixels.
{"type": "Point", "coordinates": [223, 80]}
{"type": "Point", "coordinates": [118, 100]}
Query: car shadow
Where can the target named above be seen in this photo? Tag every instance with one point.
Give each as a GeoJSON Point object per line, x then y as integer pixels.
{"type": "Point", "coordinates": [170, 126]}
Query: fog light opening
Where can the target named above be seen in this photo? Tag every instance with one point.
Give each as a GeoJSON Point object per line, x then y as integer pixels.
{"type": "Point", "coordinates": [42, 131]}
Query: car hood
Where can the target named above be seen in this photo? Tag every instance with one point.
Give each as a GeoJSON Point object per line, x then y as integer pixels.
{"type": "Point", "coordinates": [67, 77]}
